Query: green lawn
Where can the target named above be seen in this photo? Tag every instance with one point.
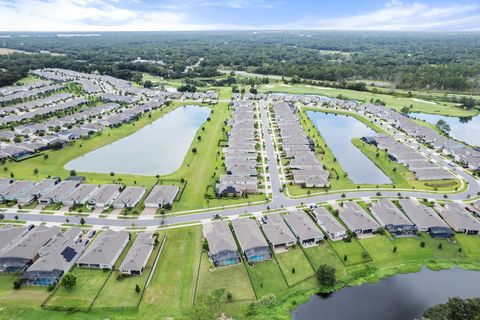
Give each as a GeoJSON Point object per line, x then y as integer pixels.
{"type": "Point", "coordinates": [294, 258]}
{"type": "Point", "coordinates": [121, 293]}
{"type": "Point", "coordinates": [173, 283]}
{"type": "Point", "coordinates": [89, 283]}
{"type": "Point", "coordinates": [29, 297]}
{"type": "Point", "coordinates": [232, 278]}
{"type": "Point", "coordinates": [325, 254]}
{"type": "Point", "coordinates": [445, 108]}
{"type": "Point", "coordinates": [470, 244]}
{"type": "Point", "coordinates": [266, 278]}
{"type": "Point", "coordinates": [352, 250]}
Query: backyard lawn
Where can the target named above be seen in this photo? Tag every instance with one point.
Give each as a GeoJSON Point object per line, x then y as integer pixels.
{"type": "Point", "coordinates": [232, 278]}
{"type": "Point", "coordinates": [294, 259]}
{"type": "Point", "coordinates": [172, 286]}
{"type": "Point", "coordinates": [324, 254]}
{"type": "Point", "coordinates": [352, 250]}
{"type": "Point", "coordinates": [89, 284]}
{"type": "Point", "coordinates": [266, 278]}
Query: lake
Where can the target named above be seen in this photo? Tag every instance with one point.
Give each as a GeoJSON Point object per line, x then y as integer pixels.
{"type": "Point", "coordinates": [158, 148]}
{"type": "Point", "coordinates": [337, 132]}
{"type": "Point", "coordinates": [402, 297]}
{"type": "Point", "coordinates": [462, 129]}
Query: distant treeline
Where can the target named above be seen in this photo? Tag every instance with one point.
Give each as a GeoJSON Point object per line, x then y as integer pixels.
{"type": "Point", "coordinates": [441, 61]}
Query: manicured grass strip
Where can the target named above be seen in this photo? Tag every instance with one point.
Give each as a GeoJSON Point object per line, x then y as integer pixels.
{"type": "Point", "coordinates": [232, 278]}
{"type": "Point", "coordinates": [120, 293]}
{"type": "Point", "coordinates": [266, 278]}
{"type": "Point", "coordinates": [294, 265]}
{"type": "Point", "coordinates": [172, 285]}
{"type": "Point", "coordinates": [470, 244]}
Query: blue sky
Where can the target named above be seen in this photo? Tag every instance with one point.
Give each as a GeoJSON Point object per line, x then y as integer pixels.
{"type": "Point", "coordinates": [168, 15]}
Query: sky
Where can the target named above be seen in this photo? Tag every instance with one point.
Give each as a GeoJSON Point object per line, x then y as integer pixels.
{"type": "Point", "coordinates": [170, 15]}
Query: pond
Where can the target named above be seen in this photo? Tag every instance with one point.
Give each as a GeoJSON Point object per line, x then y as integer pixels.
{"type": "Point", "coordinates": [338, 132]}
{"type": "Point", "coordinates": [158, 148]}
{"type": "Point", "coordinates": [463, 129]}
{"type": "Point", "coordinates": [402, 297]}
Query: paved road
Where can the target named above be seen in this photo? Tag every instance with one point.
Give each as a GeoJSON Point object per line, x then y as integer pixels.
{"type": "Point", "coordinates": [279, 200]}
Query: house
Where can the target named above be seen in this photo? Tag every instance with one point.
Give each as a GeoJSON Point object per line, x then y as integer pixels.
{"type": "Point", "coordinates": [129, 197]}
{"type": "Point", "coordinates": [9, 236]}
{"type": "Point", "coordinates": [160, 196]}
{"type": "Point", "coordinates": [331, 226]}
{"type": "Point", "coordinates": [222, 249]}
{"type": "Point", "coordinates": [105, 195]}
{"type": "Point", "coordinates": [60, 191]}
{"type": "Point", "coordinates": [80, 195]}
{"type": "Point", "coordinates": [304, 228]}
{"type": "Point", "coordinates": [23, 253]}
{"type": "Point", "coordinates": [253, 244]}
{"type": "Point", "coordinates": [104, 251]}
{"type": "Point", "coordinates": [37, 191]}
{"type": "Point", "coordinates": [392, 218]}
{"type": "Point", "coordinates": [138, 255]}
{"type": "Point", "coordinates": [55, 258]}
{"type": "Point", "coordinates": [426, 219]}
{"type": "Point", "coordinates": [16, 189]}
{"type": "Point", "coordinates": [4, 183]}
{"type": "Point", "coordinates": [459, 218]}
{"type": "Point", "coordinates": [277, 232]}
{"type": "Point", "coordinates": [356, 219]}
{"type": "Point", "coordinates": [16, 153]}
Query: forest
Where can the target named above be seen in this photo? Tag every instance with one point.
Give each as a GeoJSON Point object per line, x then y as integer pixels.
{"type": "Point", "coordinates": [423, 61]}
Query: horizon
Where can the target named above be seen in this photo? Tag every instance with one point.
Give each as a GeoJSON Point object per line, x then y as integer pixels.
{"type": "Point", "coordinates": [238, 15]}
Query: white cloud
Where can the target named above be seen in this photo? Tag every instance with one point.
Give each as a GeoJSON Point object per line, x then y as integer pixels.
{"type": "Point", "coordinates": [111, 15]}
{"type": "Point", "coordinates": [396, 15]}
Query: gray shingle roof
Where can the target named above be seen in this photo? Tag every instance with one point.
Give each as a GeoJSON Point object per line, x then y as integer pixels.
{"type": "Point", "coordinates": [105, 248]}
{"type": "Point", "coordinates": [277, 231]}
{"type": "Point", "coordinates": [248, 234]}
{"type": "Point", "coordinates": [219, 237]}
{"type": "Point", "coordinates": [302, 225]}
{"type": "Point", "coordinates": [137, 256]}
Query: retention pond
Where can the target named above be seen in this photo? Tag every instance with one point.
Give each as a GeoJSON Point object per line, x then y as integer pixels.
{"type": "Point", "coordinates": [158, 148]}
{"type": "Point", "coordinates": [338, 132]}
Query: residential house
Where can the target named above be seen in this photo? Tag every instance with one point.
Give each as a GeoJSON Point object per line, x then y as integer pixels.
{"type": "Point", "coordinates": [426, 219]}
{"type": "Point", "coordinates": [137, 257]}
{"type": "Point", "coordinates": [105, 250]}
{"type": "Point", "coordinates": [160, 196]}
{"type": "Point", "coordinates": [277, 232]}
{"type": "Point", "coordinates": [105, 195]}
{"type": "Point", "coordinates": [129, 197]}
{"type": "Point", "coordinates": [222, 249]}
{"type": "Point", "coordinates": [253, 244]}
{"type": "Point", "coordinates": [459, 218]}
{"type": "Point", "coordinates": [25, 252]}
{"type": "Point", "coordinates": [304, 228]}
{"type": "Point", "coordinates": [55, 258]}
{"type": "Point", "coordinates": [392, 218]}
{"type": "Point", "coordinates": [329, 224]}
{"type": "Point", "coordinates": [357, 219]}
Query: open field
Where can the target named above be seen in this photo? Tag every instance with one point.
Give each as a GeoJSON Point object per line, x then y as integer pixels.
{"type": "Point", "coordinates": [445, 108]}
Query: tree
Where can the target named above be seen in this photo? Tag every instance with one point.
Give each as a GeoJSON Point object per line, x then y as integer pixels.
{"type": "Point", "coordinates": [147, 84]}
{"type": "Point", "coordinates": [405, 110]}
{"type": "Point", "coordinates": [69, 280]}
{"type": "Point", "coordinates": [82, 221]}
{"type": "Point", "coordinates": [455, 309]}
{"type": "Point", "coordinates": [194, 150]}
{"type": "Point", "coordinates": [326, 275]}
{"type": "Point", "coordinates": [73, 173]}
{"type": "Point", "coordinates": [137, 288]}
{"type": "Point", "coordinates": [443, 126]}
